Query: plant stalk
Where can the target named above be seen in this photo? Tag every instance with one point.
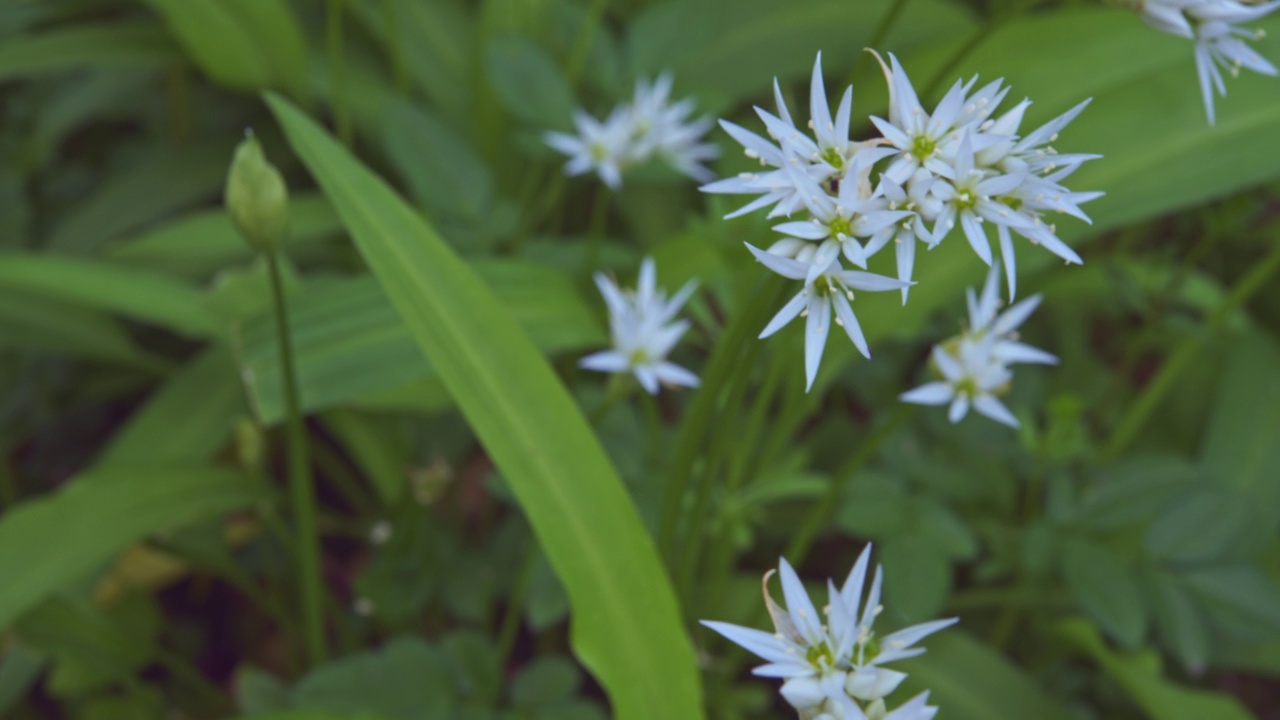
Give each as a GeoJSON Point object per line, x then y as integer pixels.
{"type": "Point", "coordinates": [301, 489]}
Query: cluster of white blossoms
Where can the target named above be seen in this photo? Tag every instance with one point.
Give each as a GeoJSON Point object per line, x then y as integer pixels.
{"type": "Point", "coordinates": [648, 127]}
{"type": "Point", "coordinates": [833, 668]}
{"type": "Point", "coordinates": [975, 366]}
{"type": "Point", "coordinates": [644, 331]}
{"type": "Point", "coordinates": [926, 173]}
{"type": "Point", "coordinates": [1212, 24]}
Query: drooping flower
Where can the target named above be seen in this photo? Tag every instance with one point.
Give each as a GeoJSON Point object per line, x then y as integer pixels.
{"type": "Point", "coordinates": [1220, 43]}
{"type": "Point", "coordinates": [831, 668]}
{"type": "Point", "coordinates": [648, 127]}
{"type": "Point", "coordinates": [644, 330]}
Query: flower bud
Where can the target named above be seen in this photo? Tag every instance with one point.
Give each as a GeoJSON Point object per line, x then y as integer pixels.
{"type": "Point", "coordinates": [257, 197]}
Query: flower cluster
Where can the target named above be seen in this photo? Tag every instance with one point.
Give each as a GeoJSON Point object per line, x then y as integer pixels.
{"type": "Point", "coordinates": [960, 164]}
{"type": "Point", "coordinates": [833, 670]}
{"type": "Point", "coordinates": [648, 127]}
{"type": "Point", "coordinates": [975, 366]}
{"type": "Point", "coordinates": [1212, 24]}
{"type": "Point", "coordinates": [644, 331]}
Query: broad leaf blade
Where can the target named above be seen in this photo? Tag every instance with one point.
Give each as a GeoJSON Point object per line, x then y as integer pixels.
{"type": "Point", "coordinates": [50, 542]}
{"type": "Point", "coordinates": [626, 625]}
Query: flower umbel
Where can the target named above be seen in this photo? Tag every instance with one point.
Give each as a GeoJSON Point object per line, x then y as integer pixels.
{"type": "Point", "coordinates": [975, 366]}
{"type": "Point", "coordinates": [650, 126]}
{"type": "Point", "coordinates": [644, 331]}
{"type": "Point", "coordinates": [832, 668]}
{"type": "Point", "coordinates": [1220, 43]}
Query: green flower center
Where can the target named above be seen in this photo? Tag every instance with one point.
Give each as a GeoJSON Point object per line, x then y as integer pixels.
{"type": "Point", "coordinates": [599, 152]}
{"type": "Point", "coordinates": [638, 357]}
{"type": "Point", "coordinates": [923, 147]}
{"type": "Point", "coordinates": [840, 226]}
{"type": "Point", "coordinates": [833, 158]}
{"type": "Point", "coordinates": [965, 199]}
{"type": "Point", "coordinates": [820, 656]}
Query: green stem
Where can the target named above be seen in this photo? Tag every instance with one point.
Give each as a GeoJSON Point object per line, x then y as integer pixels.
{"type": "Point", "coordinates": [877, 37]}
{"type": "Point", "coordinates": [338, 71]}
{"type": "Point", "coordinates": [300, 483]}
{"type": "Point", "coordinates": [722, 449]}
{"type": "Point", "coordinates": [515, 604]}
{"type": "Point", "coordinates": [395, 49]}
{"type": "Point", "coordinates": [595, 237]}
{"type": "Point", "coordinates": [582, 44]}
{"type": "Point", "coordinates": [952, 64]}
{"type": "Point", "coordinates": [693, 427]}
{"type": "Point", "coordinates": [1140, 412]}
{"type": "Point", "coordinates": [821, 513]}
{"type": "Point", "coordinates": [616, 390]}
{"type": "Point", "coordinates": [334, 467]}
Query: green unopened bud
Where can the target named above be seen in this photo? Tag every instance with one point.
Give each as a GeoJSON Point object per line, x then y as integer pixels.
{"type": "Point", "coordinates": [257, 197]}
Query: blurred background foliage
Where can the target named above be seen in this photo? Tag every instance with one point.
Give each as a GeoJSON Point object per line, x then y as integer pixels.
{"type": "Point", "coordinates": [1116, 558]}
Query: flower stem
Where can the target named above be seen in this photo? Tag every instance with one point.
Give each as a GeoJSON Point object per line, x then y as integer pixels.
{"type": "Point", "coordinates": [337, 71]}
{"type": "Point", "coordinates": [821, 513]}
{"type": "Point", "coordinates": [1140, 412]}
{"type": "Point", "coordinates": [952, 64]}
{"type": "Point", "coordinates": [510, 623]}
{"type": "Point", "coordinates": [693, 426]}
{"type": "Point", "coordinates": [395, 49]}
{"type": "Point", "coordinates": [582, 44]}
{"type": "Point", "coordinates": [877, 37]}
{"type": "Point", "coordinates": [300, 484]}
{"type": "Point", "coordinates": [595, 231]}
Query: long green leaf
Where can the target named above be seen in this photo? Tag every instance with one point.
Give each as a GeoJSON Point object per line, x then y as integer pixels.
{"type": "Point", "coordinates": [34, 323]}
{"type": "Point", "coordinates": [50, 542]}
{"type": "Point", "coordinates": [139, 295]}
{"type": "Point", "coordinates": [243, 44]}
{"type": "Point", "coordinates": [89, 46]}
{"type": "Point", "coordinates": [185, 420]}
{"type": "Point", "coordinates": [626, 625]}
{"type": "Point", "coordinates": [350, 342]}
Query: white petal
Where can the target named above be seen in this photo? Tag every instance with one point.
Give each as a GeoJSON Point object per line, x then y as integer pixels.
{"type": "Point", "coordinates": [976, 235]}
{"type": "Point", "coordinates": [610, 361]}
{"type": "Point", "coordinates": [672, 374]}
{"type": "Point", "coordinates": [817, 326]}
{"type": "Point", "coordinates": [786, 314]}
{"type": "Point", "coordinates": [994, 409]}
{"type": "Point", "coordinates": [851, 327]}
{"type": "Point", "coordinates": [764, 644]}
{"type": "Point", "coordinates": [799, 606]}
{"type": "Point", "coordinates": [934, 393]}
{"type": "Point", "coordinates": [959, 407]}
{"type": "Point", "coordinates": [786, 267]}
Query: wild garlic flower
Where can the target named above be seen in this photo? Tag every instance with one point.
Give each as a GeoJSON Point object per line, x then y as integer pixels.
{"type": "Point", "coordinates": [1219, 42]}
{"type": "Point", "coordinates": [960, 167]}
{"type": "Point", "coordinates": [975, 366]}
{"type": "Point", "coordinates": [648, 127]}
{"type": "Point", "coordinates": [830, 290]}
{"type": "Point", "coordinates": [832, 668]}
{"type": "Point", "coordinates": [644, 331]}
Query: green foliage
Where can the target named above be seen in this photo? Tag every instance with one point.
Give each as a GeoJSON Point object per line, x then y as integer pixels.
{"type": "Point", "coordinates": [489, 511]}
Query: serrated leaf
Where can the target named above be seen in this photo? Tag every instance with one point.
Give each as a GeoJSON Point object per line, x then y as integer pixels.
{"type": "Point", "coordinates": [1103, 584]}
{"type": "Point", "coordinates": [1199, 527]}
{"type": "Point", "coordinates": [1241, 599]}
{"type": "Point", "coordinates": [1180, 622]}
{"type": "Point", "coordinates": [626, 628]}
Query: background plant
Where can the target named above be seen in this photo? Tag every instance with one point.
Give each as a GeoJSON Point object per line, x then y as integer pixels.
{"type": "Point", "coordinates": [1115, 557]}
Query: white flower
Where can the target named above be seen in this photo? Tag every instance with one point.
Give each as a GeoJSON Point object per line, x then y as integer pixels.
{"type": "Point", "coordinates": [970, 377]}
{"type": "Point", "coordinates": [919, 204]}
{"type": "Point", "coordinates": [641, 325]}
{"type": "Point", "coordinates": [1219, 43]}
{"type": "Point", "coordinates": [831, 287]}
{"type": "Point", "coordinates": [633, 133]}
{"type": "Point", "coordinates": [664, 130]}
{"type": "Point", "coordinates": [973, 195]}
{"type": "Point", "coordinates": [602, 147]}
{"type": "Point", "coordinates": [829, 667]}
{"type": "Point", "coordinates": [975, 366]}
{"type": "Point", "coordinates": [931, 140]}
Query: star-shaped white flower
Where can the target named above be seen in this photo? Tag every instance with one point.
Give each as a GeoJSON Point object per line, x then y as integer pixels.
{"type": "Point", "coordinates": [971, 377]}
{"type": "Point", "coordinates": [641, 325]}
{"type": "Point", "coordinates": [600, 146]}
{"type": "Point", "coordinates": [830, 291]}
